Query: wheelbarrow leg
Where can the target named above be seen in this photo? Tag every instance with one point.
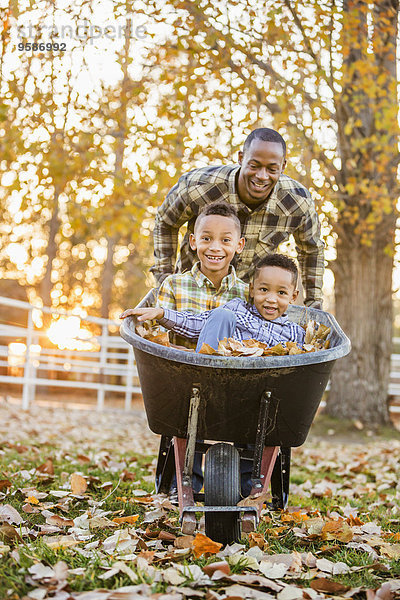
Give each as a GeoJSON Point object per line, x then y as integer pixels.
{"type": "Point", "coordinates": [184, 457]}
{"type": "Point", "coordinates": [165, 465]}
{"type": "Point", "coordinates": [280, 480]}
{"type": "Point", "coordinates": [263, 461]}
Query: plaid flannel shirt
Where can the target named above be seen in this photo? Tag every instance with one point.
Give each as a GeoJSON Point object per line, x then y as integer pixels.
{"type": "Point", "coordinates": [289, 210]}
{"type": "Point", "coordinates": [249, 324]}
{"type": "Point", "coordinates": [192, 291]}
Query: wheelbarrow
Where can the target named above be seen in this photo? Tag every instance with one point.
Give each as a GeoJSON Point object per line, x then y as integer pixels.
{"type": "Point", "coordinates": [256, 408]}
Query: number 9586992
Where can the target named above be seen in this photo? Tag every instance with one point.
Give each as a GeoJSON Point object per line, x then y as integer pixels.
{"type": "Point", "coordinates": [42, 46]}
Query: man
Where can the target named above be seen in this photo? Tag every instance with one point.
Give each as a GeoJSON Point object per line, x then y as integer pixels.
{"type": "Point", "coordinates": [270, 206]}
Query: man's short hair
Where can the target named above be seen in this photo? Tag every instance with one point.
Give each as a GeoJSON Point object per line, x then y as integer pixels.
{"type": "Point", "coordinates": [219, 207]}
{"type": "Point", "coordinates": [278, 260]}
{"type": "Point", "coordinates": [266, 135]}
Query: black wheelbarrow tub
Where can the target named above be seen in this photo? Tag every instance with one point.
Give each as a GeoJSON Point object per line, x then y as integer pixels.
{"type": "Point", "coordinates": [231, 387]}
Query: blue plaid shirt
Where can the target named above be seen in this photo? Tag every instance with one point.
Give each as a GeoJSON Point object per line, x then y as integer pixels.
{"type": "Point", "coordinates": [249, 324]}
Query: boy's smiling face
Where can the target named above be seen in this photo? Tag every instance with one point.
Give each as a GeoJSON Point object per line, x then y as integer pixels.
{"type": "Point", "coordinates": [216, 239]}
{"type": "Point", "coordinates": [272, 290]}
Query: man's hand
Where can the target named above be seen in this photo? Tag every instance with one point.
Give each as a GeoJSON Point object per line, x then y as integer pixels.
{"type": "Point", "coordinates": [144, 314]}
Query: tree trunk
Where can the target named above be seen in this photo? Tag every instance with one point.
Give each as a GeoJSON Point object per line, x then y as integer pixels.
{"type": "Point", "coordinates": [51, 251]}
{"type": "Point", "coordinates": [107, 279]}
{"type": "Point", "coordinates": [364, 311]}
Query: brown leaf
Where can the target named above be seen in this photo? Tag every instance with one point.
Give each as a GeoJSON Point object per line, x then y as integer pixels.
{"type": "Point", "coordinates": [127, 476]}
{"type": "Point", "coordinates": [46, 467]}
{"type": "Point", "coordinates": [148, 555]}
{"type": "Point", "coordinates": [327, 586]}
{"type": "Point", "coordinates": [255, 500]}
{"type": "Point", "coordinates": [322, 332]}
{"type": "Point", "coordinates": [293, 348]}
{"type": "Point", "coordinates": [184, 541]}
{"type": "Point", "coordinates": [5, 483]}
{"type": "Point", "coordinates": [166, 536]}
{"type": "Point", "coordinates": [309, 332]}
{"type": "Point", "coordinates": [28, 508]}
{"type": "Point", "coordinates": [59, 521]}
{"type": "Point", "coordinates": [308, 348]}
{"type": "Point", "coordinates": [207, 349]}
{"type": "Point", "coordinates": [162, 338]}
{"type": "Point", "coordinates": [130, 519]}
{"type": "Point", "coordinates": [223, 347]}
{"type": "Point", "coordinates": [391, 550]}
{"type": "Point", "coordinates": [203, 545]}
{"type": "Point", "coordinates": [252, 352]}
{"type": "Point", "coordinates": [78, 484]}
{"type": "Point", "coordinates": [83, 459]}
{"type": "Point", "coordinates": [277, 350]}
{"type": "Point", "coordinates": [142, 499]}
{"type": "Point", "coordinates": [8, 533]}
{"type": "Point", "coordinates": [217, 566]}
{"type": "Point", "coordinates": [257, 539]}
{"type": "Point", "coordinates": [337, 530]}
{"type": "Point", "coordinates": [294, 517]}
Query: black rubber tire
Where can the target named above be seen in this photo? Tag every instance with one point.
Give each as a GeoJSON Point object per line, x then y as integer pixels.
{"type": "Point", "coordinates": [222, 488]}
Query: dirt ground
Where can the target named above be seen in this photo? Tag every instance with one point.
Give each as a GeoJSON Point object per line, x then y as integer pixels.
{"type": "Point", "coordinates": [129, 428]}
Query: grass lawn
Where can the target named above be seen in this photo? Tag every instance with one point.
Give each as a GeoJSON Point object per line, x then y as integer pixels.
{"type": "Point", "coordinates": [78, 517]}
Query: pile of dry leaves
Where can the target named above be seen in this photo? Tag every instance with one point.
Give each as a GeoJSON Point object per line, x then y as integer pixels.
{"type": "Point", "coordinates": [316, 338]}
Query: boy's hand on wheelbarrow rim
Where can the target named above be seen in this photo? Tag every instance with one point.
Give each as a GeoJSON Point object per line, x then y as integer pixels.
{"type": "Point", "coordinates": [144, 314]}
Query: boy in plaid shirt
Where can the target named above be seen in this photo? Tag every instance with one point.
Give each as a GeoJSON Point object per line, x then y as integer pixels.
{"type": "Point", "coordinates": [212, 281]}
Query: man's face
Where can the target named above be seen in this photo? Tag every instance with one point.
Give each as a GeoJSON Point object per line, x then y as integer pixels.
{"type": "Point", "coordinates": [261, 167]}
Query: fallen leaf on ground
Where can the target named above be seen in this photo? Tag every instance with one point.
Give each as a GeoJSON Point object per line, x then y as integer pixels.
{"type": "Point", "coordinates": [222, 566]}
{"type": "Point", "coordinates": [130, 519]}
{"type": "Point", "coordinates": [184, 541]}
{"type": "Point", "coordinates": [78, 484]}
{"type": "Point", "coordinates": [203, 546]}
{"type": "Point", "coordinates": [10, 515]}
{"type": "Point", "coordinates": [8, 534]}
{"type": "Point", "coordinates": [337, 530]}
{"type": "Point", "coordinates": [257, 539]}
{"type": "Point", "coordinates": [46, 467]}
{"type": "Point", "coordinates": [327, 586]}
{"type": "Point", "coordinates": [255, 500]}
{"type": "Point", "coordinates": [392, 551]}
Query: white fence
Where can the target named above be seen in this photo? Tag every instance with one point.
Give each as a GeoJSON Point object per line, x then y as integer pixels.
{"type": "Point", "coordinates": [104, 364]}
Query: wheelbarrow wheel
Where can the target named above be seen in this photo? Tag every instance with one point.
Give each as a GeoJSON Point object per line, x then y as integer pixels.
{"type": "Point", "coordinates": [222, 488]}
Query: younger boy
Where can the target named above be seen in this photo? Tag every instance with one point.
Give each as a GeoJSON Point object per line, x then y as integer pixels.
{"type": "Point", "coordinates": [263, 318]}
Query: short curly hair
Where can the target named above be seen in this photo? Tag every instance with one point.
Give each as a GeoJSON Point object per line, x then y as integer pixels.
{"type": "Point", "coordinates": [277, 260]}
{"type": "Point", "coordinates": [264, 134]}
{"type": "Point", "coordinates": [219, 207]}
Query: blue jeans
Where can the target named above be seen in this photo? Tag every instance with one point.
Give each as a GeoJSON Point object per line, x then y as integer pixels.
{"type": "Point", "coordinates": [220, 324]}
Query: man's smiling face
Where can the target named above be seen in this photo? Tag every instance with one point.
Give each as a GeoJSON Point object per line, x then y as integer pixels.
{"type": "Point", "coordinates": [261, 167]}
